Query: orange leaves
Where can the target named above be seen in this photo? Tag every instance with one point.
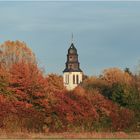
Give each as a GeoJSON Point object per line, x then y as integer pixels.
{"type": "Point", "coordinates": [54, 83]}
{"type": "Point", "coordinates": [27, 79]}
{"type": "Point", "coordinates": [22, 104]}
{"type": "Point", "coordinates": [44, 103]}
{"type": "Point", "coordinates": [69, 117]}
{"type": "Point", "coordinates": [36, 102]}
{"type": "Point", "coordinates": [80, 91]}
{"type": "Point", "coordinates": [2, 99]}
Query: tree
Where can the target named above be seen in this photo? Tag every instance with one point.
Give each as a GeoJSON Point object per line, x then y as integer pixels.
{"type": "Point", "coordinates": [12, 52]}
{"type": "Point", "coordinates": [54, 83]}
{"type": "Point", "coordinates": [4, 81]}
{"type": "Point", "coordinates": [115, 75]}
{"type": "Point", "coordinates": [127, 70]}
{"type": "Point", "coordinates": [28, 84]}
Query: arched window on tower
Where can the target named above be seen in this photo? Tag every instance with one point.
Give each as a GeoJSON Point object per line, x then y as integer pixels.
{"type": "Point", "coordinates": [77, 79]}
{"type": "Point", "coordinates": [73, 79]}
{"type": "Point", "coordinates": [67, 79]}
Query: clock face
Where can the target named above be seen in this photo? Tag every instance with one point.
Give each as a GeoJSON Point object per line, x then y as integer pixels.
{"type": "Point", "coordinates": [70, 57]}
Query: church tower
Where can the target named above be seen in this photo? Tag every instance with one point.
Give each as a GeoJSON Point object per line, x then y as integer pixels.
{"type": "Point", "coordinates": [72, 74]}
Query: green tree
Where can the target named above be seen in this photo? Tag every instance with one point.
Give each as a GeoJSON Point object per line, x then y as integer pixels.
{"type": "Point", "coordinates": [127, 70]}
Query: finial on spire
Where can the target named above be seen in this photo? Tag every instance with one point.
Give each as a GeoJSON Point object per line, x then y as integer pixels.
{"type": "Point", "coordinates": [72, 38]}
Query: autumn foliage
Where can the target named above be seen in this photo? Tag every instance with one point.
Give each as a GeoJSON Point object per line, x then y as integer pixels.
{"type": "Point", "coordinates": [12, 52]}
{"type": "Point", "coordinates": [33, 101]}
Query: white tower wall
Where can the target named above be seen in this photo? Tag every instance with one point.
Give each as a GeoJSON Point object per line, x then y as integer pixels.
{"type": "Point", "coordinates": [72, 79]}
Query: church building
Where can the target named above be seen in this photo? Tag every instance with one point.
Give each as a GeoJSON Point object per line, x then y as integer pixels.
{"type": "Point", "coordinates": [72, 74]}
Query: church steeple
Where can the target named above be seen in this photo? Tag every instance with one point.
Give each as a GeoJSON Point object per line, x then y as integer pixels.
{"type": "Point", "coordinates": [72, 73]}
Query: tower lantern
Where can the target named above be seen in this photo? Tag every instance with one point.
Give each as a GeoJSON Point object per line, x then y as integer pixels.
{"type": "Point", "coordinates": [72, 74]}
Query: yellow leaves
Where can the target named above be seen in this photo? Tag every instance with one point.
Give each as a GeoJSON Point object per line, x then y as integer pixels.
{"type": "Point", "coordinates": [115, 75]}
{"type": "Point", "coordinates": [15, 51]}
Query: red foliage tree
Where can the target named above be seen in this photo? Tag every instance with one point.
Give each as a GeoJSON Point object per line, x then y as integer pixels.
{"type": "Point", "coordinates": [27, 83]}
{"type": "Point", "coordinates": [19, 116]}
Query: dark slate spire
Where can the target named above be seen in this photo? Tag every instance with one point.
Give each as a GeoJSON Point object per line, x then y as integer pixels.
{"type": "Point", "coordinates": [72, 64]}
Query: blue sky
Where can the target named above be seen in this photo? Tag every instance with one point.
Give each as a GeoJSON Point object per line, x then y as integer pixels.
{"type": "Point", "coordinates": [106, 34]}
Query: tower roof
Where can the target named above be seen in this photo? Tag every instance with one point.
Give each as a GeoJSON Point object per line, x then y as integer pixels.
{"type": "Point", "coordinates": [72, 49]}
{"type": "Point", "coordinates": [72, 70]}
{"type": "Point", "coordinates": [72, 64]}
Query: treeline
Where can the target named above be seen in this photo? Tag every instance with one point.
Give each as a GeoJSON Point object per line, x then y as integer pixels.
{"type": "Point", "coordinates": [34, 102]}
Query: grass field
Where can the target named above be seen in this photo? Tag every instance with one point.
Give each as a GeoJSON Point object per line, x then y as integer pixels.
{"type": "Point", "coordinates": [66, 135]}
